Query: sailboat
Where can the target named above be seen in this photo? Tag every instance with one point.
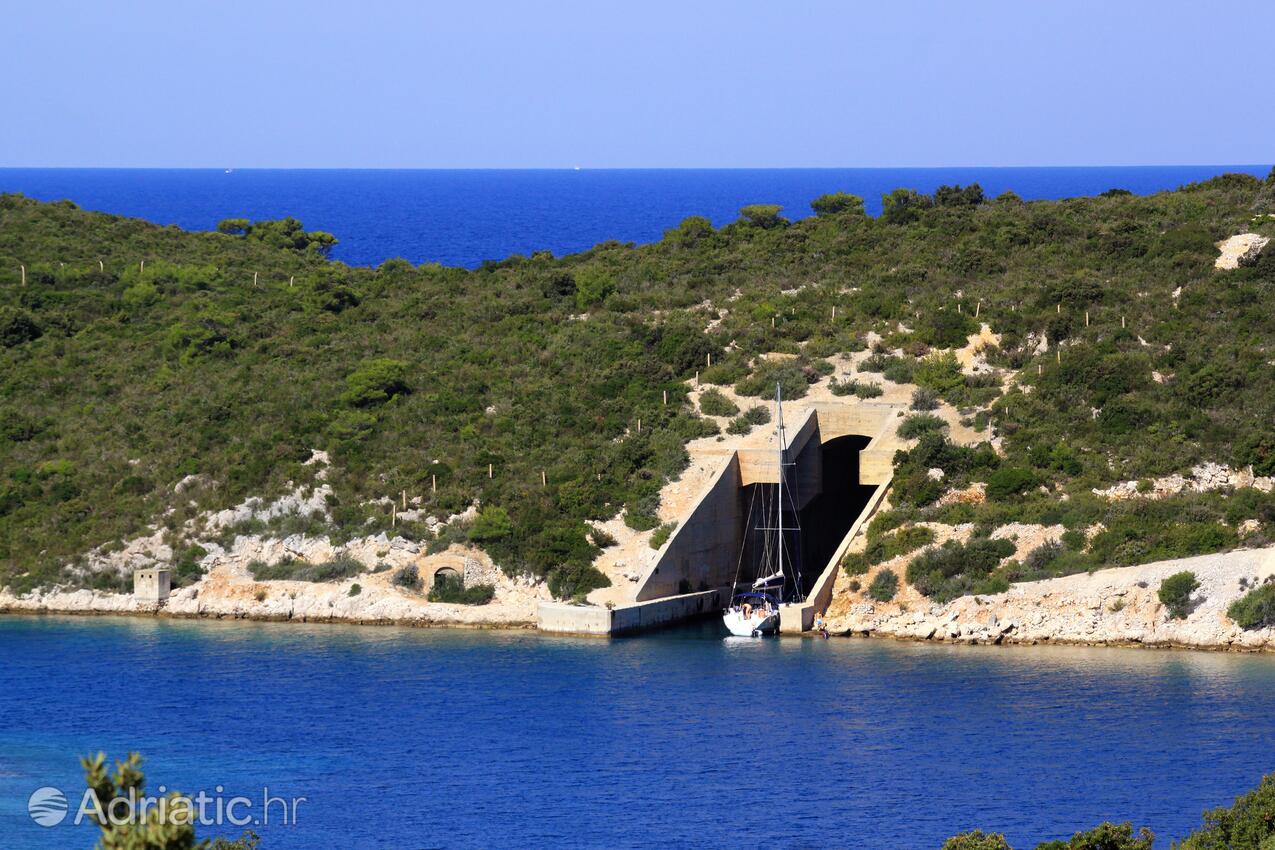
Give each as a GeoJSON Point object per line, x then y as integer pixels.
{"type": "Point", "coordinates": [754, 611]}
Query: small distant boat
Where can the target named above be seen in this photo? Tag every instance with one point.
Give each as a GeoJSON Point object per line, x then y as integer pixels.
{"type": "Point", "coordinates": [754, 612]}
{"type": "Point", "coordinates": [230, 171]}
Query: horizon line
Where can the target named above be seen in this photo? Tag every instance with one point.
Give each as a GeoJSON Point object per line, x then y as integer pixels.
{"type": "Point", "coordinates": [233, 168]}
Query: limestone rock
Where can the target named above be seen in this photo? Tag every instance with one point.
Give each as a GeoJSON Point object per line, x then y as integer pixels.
{"type": "Point", "coordinates": [1240, 250]}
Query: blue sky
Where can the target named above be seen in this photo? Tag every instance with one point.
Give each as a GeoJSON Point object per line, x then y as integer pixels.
{"type": "Point", "coordinates": [480, 83]}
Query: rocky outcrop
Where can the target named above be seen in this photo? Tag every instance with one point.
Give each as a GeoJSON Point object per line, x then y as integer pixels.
{"type": "Point", "coordinates": [1240, 250]}
{"type": "Point", "coordinates": [228, 591]}
{"type": "Point", "coordinates": [1203, 478]}
{"type": "Point", "coordinates": [1109, 607]}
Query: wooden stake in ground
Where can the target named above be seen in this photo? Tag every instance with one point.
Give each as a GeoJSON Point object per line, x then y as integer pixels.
{"type": "Point", "coordinates": [433, 482]}
{"type": "Point", "coordinates": [489, 470]}
{"type": "Point", "coordinates": [697, 377]}
{"type": "Point", "coordinates": [1086, 318]}
{"type": "Point", "coordinates": [977, 307]}
{"type": "Point", "coordinates": [544, 479]}
{"type": "Point", "coordinates": [710, 361]}
{"type": "Point", "coordinates": [290, 279]}
{"type": "Point", "coordinates": [254, 278]}
{"type": "Point", "coordinates": [1059, 353]}
{"type": "Point", "coordinates": [101, 266]}
{"type": "Point", "coordinates": [666, 396]}
{"type": "Point", "coordinates": [24, 274]}
{"type": "Point", "coordinates": [1060, 308]}
{"type": "Point", "coordinates": [1122, 321]}
{"type": "Point", "coordinates": [958, 306]}
{"type": "Point", "coordinates": [404, 500]}
{"type": "Point", "coordinates": [772, 323]}
{"type": "Point", "coordinates": [834, 312]}
{"type": "Point", "coordinates": [142, 266]}
{"type": "Point", "coordinates": [639, 424]}
{"type": "Point", "coordinates": [393, 514]}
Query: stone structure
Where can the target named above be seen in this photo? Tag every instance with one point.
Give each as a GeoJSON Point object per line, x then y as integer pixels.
{"type": "Point", "coordinates": [696, 567]}
{"type": "Point", "coordinates": [152, 585]}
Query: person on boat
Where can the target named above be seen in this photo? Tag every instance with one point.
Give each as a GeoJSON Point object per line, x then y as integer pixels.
{"type": "Point", "coordinates": [748, 611]}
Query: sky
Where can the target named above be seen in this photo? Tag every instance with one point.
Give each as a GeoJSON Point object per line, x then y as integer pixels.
{"type": "Point", "coordinates": [556, 84]}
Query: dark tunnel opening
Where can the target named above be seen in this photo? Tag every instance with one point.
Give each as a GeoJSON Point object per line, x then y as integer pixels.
{"type": "Point", "coordinates": [823, 522]}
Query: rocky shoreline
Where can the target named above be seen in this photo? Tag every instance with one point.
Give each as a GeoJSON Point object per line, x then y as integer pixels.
{"type": "Point", "coordinates": [1113, 607]}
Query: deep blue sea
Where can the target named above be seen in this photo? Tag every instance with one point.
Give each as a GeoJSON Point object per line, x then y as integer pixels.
{"type": "Point", "coordinates": [465, 217]}
{"type": "Point", "coordinates": [404, 738]}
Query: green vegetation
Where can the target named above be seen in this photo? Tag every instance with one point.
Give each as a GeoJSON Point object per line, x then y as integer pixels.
{"type": "Point", "coordinates": [861, 389]}
{"type": "Point", "coordinates": [1249, 824]}
{"type": "Point", "coordinates": [290, 569]}
{"type": "Point", "coordinates": [884, 586]}
{"type": "Point", "coordinates": [919, 425]}
{"type": "Point", "coordinates": [408, 578]}
{"type": "Point", "coordinates": [713, 403]}
{"type": "Point", "coordinates": [955, 569]}
{"type": "Point", "coordinates": [452, 589]}
{"type": "Point", "coordinates": [662, 534]}
{"type": "Point", "coordinates": [235, 354]}
{"type": "Point", "coordinates": [1175, 593]}
{"type": "Point", "coordinates": [169, 827]}
{"type": "Point", "coordinates": [1255, 609]}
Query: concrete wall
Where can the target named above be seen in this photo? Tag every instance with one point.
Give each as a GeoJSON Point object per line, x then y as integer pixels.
{"type": "Point", "coordinates": [563, 618]}
{"type": "Point", "coordinates": [800, 617]}
{"type": "Point", "coordinates": [703, 551]}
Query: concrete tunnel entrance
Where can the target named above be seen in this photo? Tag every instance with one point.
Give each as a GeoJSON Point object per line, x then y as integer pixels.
{"type": "Point", "coordinates": [824, 520]}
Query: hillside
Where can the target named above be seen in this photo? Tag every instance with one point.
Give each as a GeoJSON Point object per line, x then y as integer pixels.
{"type": "Point", "coordinates": [150, 375]}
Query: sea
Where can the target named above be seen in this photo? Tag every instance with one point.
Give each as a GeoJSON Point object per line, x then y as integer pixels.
{"type": "Point", "coordinates": [395, 737]}
{"type": "Point", "coordinates": [461, 218]}
{"type": "Point", "coordinates": [362, 737]}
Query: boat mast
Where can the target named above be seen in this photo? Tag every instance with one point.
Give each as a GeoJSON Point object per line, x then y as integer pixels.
{"type": "Point", "coordinates": [779, 418]}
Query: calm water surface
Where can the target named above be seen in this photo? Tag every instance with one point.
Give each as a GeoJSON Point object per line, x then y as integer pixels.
{"type": "Point", "coordinates": [465, 217]}
{"type": "Point", "coordinates": [405, 738]}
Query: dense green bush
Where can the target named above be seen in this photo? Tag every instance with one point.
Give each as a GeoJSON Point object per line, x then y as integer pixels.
{"type": "Point", "coordinates": [1255, 609]}
{"type": "Point", "coordinates": [452, 589]}
{"type": "Point", "coordinates": [1008, 481]}
{"type": "Point", "coordinates": [976, 840]}
{"type": "Point", "coordinates": [920, 424]}
{"type": "Point", "coordinates": [1175, 593]}
{"type": "Point", "coordinates": [290, 569]}
{"type": "Point", "coordinates": [954, 569]}
{"type": "Point", "coordinates": [713, 403]}
{"type": "Point", "coordinates": [407, 577]}
{"type": "Point", "coordinates": [884, 586]}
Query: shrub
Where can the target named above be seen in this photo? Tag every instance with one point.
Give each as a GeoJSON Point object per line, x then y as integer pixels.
{"type": "Point", "coordinates": [791, 378]}
{"type": "Point", "coordinates": [492, 523]}
{"type": "Point", "coordinates": [1009, 481]}
{"type": "Point", "coordinates": [837, 202]}
{"type": "Point", "coordinates": [355, 589]}
{"type": "Point", "coordinates": [712, 402]}
{"type": "Point", "coordinates": [977, 840]}
{"type": "Point", "coordinates": [855, 563]}
{"type": "Point", "coordinates": [924, 398]}
{"type": "Point", "coordinates": [1105, 836]}
{"type": "Point", "coordinates": [954, 569]}
{"type": "Point", "coordinates": [762, 215]}
{"type": "Point", "coordinates": [407, 577]}
{"type": "Point", "coordinates": [602, 538]}
{"type": "Point", "coordinates": [939, 372]}
{"type": "Point", "coordinates": [1175, 593]}
{"type": "Point", "coordinates": [920, 424]}
{"type": "Point", "coordinates": [288, 569]}
{"type": "Point", "coordinates": [452, 589]}
{"type": "Point", "coordinates": [1255, 609]}
{"type": "Point", "coordinates": [1247, 825]}
{"type": "Point", "coordinates": [860, 389]}
{"type": "Point", "coordinates": [662, 534]}
{"type": "Point", "coordinates": [884, 547]}
{"type": "Point", "coordinates": [884, 586]}
{"type": "Point", "coordinates": [376, 382]}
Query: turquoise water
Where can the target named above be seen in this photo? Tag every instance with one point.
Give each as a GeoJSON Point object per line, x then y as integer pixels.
{"type": "Point", "coordinates": [465, 217]}
{"type": "Point", "coordinates": [403, 738]}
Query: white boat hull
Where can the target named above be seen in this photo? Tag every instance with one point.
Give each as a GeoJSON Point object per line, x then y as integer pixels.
{"type": "Point", "coordinates": [758, 623]}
